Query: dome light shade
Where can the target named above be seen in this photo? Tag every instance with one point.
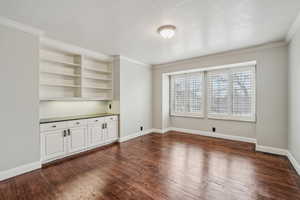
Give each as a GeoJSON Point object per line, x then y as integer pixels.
{"type": "Point", "coordinates": [167, 31]}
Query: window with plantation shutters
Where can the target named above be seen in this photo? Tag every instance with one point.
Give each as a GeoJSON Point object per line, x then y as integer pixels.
{"type": "Point", "coordinates": [219, 94]}
{"type": "Point", "coordinates": [231, 94]}
{"type": "Point", "coordinates": [187, 94]}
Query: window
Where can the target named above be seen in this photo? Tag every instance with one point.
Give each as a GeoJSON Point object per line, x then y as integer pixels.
{"type": "Point", "coordinates": [187, 94]}
{"type": "Point", "coordinates": [231, 94]}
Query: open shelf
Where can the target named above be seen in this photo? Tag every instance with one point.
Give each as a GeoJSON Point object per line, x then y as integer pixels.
{"type": "Point", "coordinates": [75, 99]}
{"type": "Point", "coordinates": [95, 87]}
{"type": "Point", "coordinates": [98, 70]}
{"type": "Point", "coordinates": [60, 62]}
{"type": "Point", "coordinates": [60, 85]}
{"type": "Point", "coordinates": [97, 78]}
{"type": "Point", "coordinates": [61, 73]}
{"type": "Point", "coordinates": [68, 73]}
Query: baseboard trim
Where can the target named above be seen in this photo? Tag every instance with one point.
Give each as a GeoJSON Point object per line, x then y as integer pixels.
{"type": "Point", "coordinates": [215, 135]}
{"type": "Point", "coordinates": [135, 135]}
{"type": "Point", "coordinates": [272, 150]}
{"type": "Point", "coordinates": [294, 162]}
{"type": "Point", "coordinates": [162, 131]}
{"type": "Point", "coordinates": [156, 130]}
{"type": "Point", "coordinates": [19, 170]}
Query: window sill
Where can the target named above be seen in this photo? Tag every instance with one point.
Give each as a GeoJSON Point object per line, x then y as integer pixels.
{"type": "Point", "coordinates": [237, 119]}
{"type": "Point", "coordinates": [187, 116]}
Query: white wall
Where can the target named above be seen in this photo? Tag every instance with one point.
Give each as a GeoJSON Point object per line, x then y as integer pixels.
{"type": "Point", "coordinates": [49, 109]}
{"type": "Point", "coordinates": [272, 85]}
{"type": "Point", "coordinates": [294, 96]}
{"type": "Point", "coordinates": [135, 97]}
{"type": "Point", "coordinates": [19, 108]}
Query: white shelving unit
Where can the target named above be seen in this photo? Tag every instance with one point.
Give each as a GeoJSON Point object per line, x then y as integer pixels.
{"type": "Point", "coordinates": [72, 73]}
{"type": "Point", "coordinates": [96, 78]}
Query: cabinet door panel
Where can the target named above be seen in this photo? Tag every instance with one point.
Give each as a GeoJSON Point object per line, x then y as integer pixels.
{"type": "Point", "coordinates": [112, 128]}
{"type": "Point", "coordinates": [77, 139]}
{"type": "Point", "coordinates": [95, 135]}
{"type": "Point", "coordinates": [53, 144]}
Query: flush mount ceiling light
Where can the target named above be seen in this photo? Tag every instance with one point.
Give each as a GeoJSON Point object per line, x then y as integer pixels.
{"type": "Point", "coordinates": [167, 31]}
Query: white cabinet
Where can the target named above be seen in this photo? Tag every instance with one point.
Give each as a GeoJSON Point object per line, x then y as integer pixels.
{"type": "Point", "coordinates": [102, 130]}
{"type": "Point", "coordinates": [77, 139]}
{"type": "Point", "coordinates": [112, 126]}
{"type": "Point", "coordinates": [53, 144]}
{"type": "Point", "coordinates": [62, 139]}
{"type": "Point", "coordinates": [95, 135]}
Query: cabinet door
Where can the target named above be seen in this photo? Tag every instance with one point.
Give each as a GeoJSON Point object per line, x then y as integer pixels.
{"type": "Point", "coordinates": [96, 135]}
{"type": "Point", "coordinates": [112, 127]}
{"type": "Point", "coordinates": [53, 144]}
{"type": "Point", "coordinates": [77, 139]}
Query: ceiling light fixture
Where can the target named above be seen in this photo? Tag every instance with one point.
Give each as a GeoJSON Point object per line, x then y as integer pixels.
{"type": "Point", "coordinates": [167, 31]}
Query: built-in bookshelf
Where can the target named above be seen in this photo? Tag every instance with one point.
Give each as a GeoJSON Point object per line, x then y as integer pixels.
{"type": "Point", "coordinates": [71, 73]}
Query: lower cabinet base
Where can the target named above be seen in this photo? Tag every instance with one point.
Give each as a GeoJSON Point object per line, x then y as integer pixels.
{"type": "Point", "coordinates": [77, 154]}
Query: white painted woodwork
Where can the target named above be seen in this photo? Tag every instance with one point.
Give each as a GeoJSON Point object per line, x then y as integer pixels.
{"type": "Point", "coordinates": [68, 73]}
{"type": "Point", "coordinates": [77, 139]}
{"type": "Point", "coordinates": [53, 144]}
{"type": "Point", "coordinates": [77, 123]}
{"type": "Point", "coordinates": [96, 135]}
{"type": "Point", "coordinates": [53, 126]}
{"type": "Point", "coordinates": [112, 126]}
{"type": "Point", "coordinates": [61, 139]}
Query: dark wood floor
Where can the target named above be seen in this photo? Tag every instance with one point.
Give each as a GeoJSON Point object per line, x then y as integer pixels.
{"type": "Point", "coordinates": [171, 166]}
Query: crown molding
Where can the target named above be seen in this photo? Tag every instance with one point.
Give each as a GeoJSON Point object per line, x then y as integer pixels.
{"type": "Point", "coordinates": [261, 47]}
{"type": "Point", "coordinates": [133, 61]}
{"type": "Point", "coordinates": [293, 29]}
{"type": "Point", "coordinates": [19, 26]}
{"type": "Point", "coordinates": [56, 44]}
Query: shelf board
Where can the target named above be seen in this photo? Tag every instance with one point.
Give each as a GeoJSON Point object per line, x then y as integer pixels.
{"type": "Point", "coordinates": [96, 87]}
{"type": "Point", "coordinates": [61, 62]}
{"type": "Point", "coordinates": [98, 70]}
{"type": "Point", "coordinates": [60, 85]}
{"type": "Point", "coordinates": [96, 78]}
{"type": "Point", "coordinates": [61, 74]}
{"type": "Point", "coordinates": [74, 99]}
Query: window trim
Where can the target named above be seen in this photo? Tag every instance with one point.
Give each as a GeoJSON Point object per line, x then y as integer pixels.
{"type": "Point", "coordinates": [230, 115]}
{"type": "Point", "coordinates": [188, 114]}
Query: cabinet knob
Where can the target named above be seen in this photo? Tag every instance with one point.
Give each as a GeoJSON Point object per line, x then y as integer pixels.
{"type": "Point", "coordinates": [54, 126]}
{"type": "Point", "coordinates": [77, 122]}
{"type": "Point", "coordinates": [69, 132]}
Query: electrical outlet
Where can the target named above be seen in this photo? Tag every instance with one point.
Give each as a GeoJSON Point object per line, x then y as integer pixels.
{"type": "Point", "coordinates": [213, 129]}
{"type": "Point", "coordinates": [141, 128]}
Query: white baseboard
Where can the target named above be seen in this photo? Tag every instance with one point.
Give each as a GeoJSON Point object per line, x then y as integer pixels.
{"type": "Point", "coordinates": [156, 130]}
{"type": "Point", "coordinates": [272, 150]}
{"type": "Point", "coordinates": [162, 131]}
{"type": "Point", "coordinates": [215, 135]}
{"type": "Point", "coordinates": [294, 162]}
{"type": "Point", "coordinates": [135, 135]}
{"type": "Point", "coordinates": [19, 170]}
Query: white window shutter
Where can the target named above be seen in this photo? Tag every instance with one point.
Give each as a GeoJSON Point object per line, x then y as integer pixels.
{"type": "Point", "coordinates": [231, 94]}
{"type": "Point", "coordinates": [218, 93]}
{"type": "Point", "coordinates": [243, 93]}
{"type": "Point", "coordinates": [187, 94]}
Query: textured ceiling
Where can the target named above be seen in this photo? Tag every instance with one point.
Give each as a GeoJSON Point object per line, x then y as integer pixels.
{"type": "Point", "coordinates": [128, 27]}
